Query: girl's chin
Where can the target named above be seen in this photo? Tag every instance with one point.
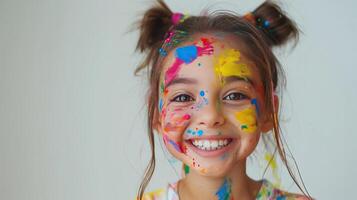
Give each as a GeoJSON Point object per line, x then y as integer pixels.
{"type": "Point", "coordinates": [214, 170]}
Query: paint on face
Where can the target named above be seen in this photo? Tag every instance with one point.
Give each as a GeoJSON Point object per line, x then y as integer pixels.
{"type": "Point", "coordinates": [224, 192]}
{"type": "Point", "coordinates": [177, 146]}
{"type": "Point", "coordinates": [247, 119]}
{"type": "Point", "coordinates": [227, 64]}
{"type": "Point", "coordinates": [202, 100]}
{"type": "Point", "coordinates": [161, 104]}
{"type": "Point", "coordinates": [193, 132]}
{"type": "Point", "coordinates": [177, 122]}
{"type": "Point", "coordinates": [186, 55]}
{"type": "Point", "coordinates": [186, 169]}
{"type": "Point", "coordinates": [255, 103]}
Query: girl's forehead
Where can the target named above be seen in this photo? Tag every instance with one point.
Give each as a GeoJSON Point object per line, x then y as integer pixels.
{"type": "Point", "coordinates": [226, 51]}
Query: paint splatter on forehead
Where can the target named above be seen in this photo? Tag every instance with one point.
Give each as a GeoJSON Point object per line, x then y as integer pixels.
{"type": "Point", "coordinates": [186, 55]}
{"type": "Point", "coordinates": [228, 64]}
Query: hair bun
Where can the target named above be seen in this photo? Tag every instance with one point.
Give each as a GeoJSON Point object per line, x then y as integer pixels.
{"type": "Point", "coordinates": [153, 26]}
{"type": "Point", "coordinates": [273, 22]}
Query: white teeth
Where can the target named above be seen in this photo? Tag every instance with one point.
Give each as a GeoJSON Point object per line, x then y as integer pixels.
{"type": "Point", "coordinates": [225, 142]}
{"type": "Point", "coordinates": [210, 145]}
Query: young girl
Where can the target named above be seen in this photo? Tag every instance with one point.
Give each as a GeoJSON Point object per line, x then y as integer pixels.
{"type": "Point", "coordinates": [212, 94]}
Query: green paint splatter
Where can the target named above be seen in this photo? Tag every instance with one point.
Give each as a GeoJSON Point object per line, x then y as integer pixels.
{"type": "Point", "coordinates": [186, 168]}
{"type": "Point", "coordinates": [162, 87]}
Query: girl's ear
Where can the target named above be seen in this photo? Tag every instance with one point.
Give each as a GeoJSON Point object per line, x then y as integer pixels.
{"type": "Point", "coordinates": [268, 122]}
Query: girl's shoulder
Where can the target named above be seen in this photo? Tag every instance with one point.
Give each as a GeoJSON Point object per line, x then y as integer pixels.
{"type": "Point", "coordinates": [269, 192]}
{"type": "Point", "coordinates": [168, 193]}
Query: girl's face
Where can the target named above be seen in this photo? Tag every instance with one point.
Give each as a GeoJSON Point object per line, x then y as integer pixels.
{"type": "Point", "coordinates": [210, 105]}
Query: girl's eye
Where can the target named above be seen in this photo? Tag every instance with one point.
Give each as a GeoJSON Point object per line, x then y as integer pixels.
{"type": "Point", "coordinates": [182, 98]}
{"type": "Point", "coordinates": [235, 96]}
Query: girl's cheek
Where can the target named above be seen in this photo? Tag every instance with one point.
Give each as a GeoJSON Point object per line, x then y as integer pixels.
{"type": "Point", "coordinates": [175, 121]}
{"type": "Point", "coordinates": [174, 124]}
{"type": "Point", "coordinates": [246, 118]}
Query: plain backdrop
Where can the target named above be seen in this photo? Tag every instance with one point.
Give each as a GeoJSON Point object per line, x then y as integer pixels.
{"type": "Point", "coordinates": [72, 114]}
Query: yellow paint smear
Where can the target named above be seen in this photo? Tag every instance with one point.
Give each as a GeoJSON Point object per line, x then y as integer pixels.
{"type": "Point", "coordinates": [274, 167]}
{"type": "Point", "coordinates": [247, 119]}
{"type": "Point", "coordinates": [203, 170]}
{"type": "Point", "coordinates": [227, 64]}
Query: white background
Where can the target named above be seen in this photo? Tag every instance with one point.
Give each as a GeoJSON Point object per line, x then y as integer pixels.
{"type": "Point", "coordinates": [72, 115]}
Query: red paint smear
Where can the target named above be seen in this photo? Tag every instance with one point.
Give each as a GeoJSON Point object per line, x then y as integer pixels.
{"type": "Point", "coordinates": [163, 113]}
{"type": "Point", "coordinates": [186, 117]}
{"type": "Point", "coordinates": [165, 139]}
{"type": "Point", "coordinates": [183, 147]}
{"type": "Point", "coordinates": [166, 91]}
{"type": "Point", "coordinates": [172, 71]}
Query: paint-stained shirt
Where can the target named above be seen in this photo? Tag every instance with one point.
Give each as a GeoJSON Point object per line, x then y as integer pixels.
{"type": "Point", "coordinates": [267, 192]}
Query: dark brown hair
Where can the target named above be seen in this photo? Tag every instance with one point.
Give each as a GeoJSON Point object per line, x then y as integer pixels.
{"type": "Point", "coordinates": [259, 31]}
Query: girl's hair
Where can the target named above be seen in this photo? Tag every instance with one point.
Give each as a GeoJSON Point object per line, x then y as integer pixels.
{"type": "Point", "coordinates": [259, 31]}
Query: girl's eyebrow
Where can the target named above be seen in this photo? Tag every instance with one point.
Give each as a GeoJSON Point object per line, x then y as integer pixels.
{"type": "Point", "coordinates": [230, 79]}
{"type": "Point", "coordinates": [181, 80]}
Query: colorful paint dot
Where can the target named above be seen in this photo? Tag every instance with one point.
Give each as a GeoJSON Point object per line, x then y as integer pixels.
{"type": "Point", "coordinates": [255, 103]}
{"type": "Point", "coordinates": [186, 169]}
{"type": "Point", "coordinates": [199, 132]}
{"type": "Point", "coordinates": [187, 117]}
{"type": "Point", "coordinates": [202, 93]}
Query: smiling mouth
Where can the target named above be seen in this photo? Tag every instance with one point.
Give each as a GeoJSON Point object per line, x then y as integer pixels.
{"type": "Point", "coordinates": [212, 144]}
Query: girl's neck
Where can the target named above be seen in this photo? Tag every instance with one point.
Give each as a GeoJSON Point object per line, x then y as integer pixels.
{"type": "Point", "coordinates": [196, 186]}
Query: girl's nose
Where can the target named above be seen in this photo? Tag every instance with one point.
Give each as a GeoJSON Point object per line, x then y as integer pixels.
{"type": "Point", "coordinates": [210, 116]}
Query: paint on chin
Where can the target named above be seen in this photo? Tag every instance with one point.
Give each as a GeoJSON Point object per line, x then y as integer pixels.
{"type": "Point", "coordinates": [186, 55]}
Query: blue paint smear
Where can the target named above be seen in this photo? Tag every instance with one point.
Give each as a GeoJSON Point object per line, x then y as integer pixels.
{"type": "Point", "coordinates": [161, 103]}
{"type": "Point", "coordinates": [175, 145]}
{"type": "Point", "coordinates": [255, 102]}
{"type": "Point", "coordinates": [224, 191]}
{"type": "Point", "coordinates": [199, 132]}
{"type": "Point", "coordinates": [190, 131]}
{"type": "Point", "coordinates": [202, 93]}
{"type": "Point", "coordinates": [281, 198]}
{"type": "Point", "coordinates": [187, 54]}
